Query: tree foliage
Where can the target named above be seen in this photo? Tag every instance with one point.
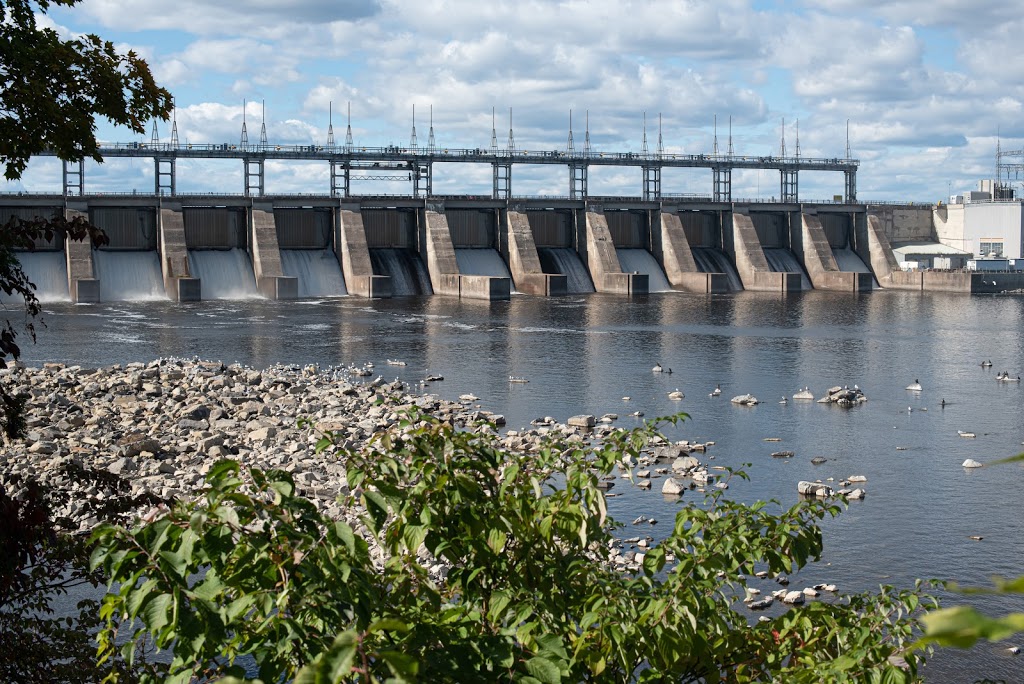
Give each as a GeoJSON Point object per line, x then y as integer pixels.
{"type": "Point", "coordinates": [42, 638]}
{"type": "Point", "coordinates": [53, 88]}
{"type": "Point", "coordinates": [530, 595]}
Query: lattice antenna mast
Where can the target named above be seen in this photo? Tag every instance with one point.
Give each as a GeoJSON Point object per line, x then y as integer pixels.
{"type": "Point", "coordinates": [330, 124]}
{"type": "Point", "coordinates": [263, 124]}
{"type": "Point", "coordinates": [348, 130]}
{"type": "Point", "coordinates": [782, 149]}
{"type": "Point", "coordinates": [643, 146]}
{"type": "Point", "coordinates": [412, 138]}
{"type": "Point", "coordinates": [244, 142]}
{"type": "Point", "coordinates": [174, 125]}
{"type": "Point", "coordinates": [798, 138]}
{"type": "Point", "coordinates": [730, 136]}
{"type": "Point", "coordinates": [714, 139]}
{"type": "Point", "coordinates": [494, 134]}
{"type": "Point", "coordinates": [586, 137]}
{"type": "Point", "coordinates": [511, 138]}
{"type": "Point", "coordinates": [847, 138]}
{"type": "Point", "coordinates": [661, 141]}
{"type": "Point", "coordinates": [431, 143]}
{"type": "Point", "coordinates": [154, 137]}
{"type": "Point", "coordinates": [570, 149]}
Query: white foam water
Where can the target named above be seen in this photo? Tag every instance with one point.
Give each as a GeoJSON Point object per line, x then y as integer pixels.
{"type": "Point", "coordinates": [223, 273]}
{"type": "Point", "coordinates": [317, 271]}
{"type": "Point", "coordinates": [642, 261]}
{"type": "Point", "coordinates": [129, 275]}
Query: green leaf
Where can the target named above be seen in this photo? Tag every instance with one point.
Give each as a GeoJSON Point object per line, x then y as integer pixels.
{"type": "Point", "coordinates": [377, 507]}
{"type": "Point", "coordinates": [156, 613]}
{"type": "Point", "coordinates": [400, 664]}
{"type": "Point", "coordinates": [963, 626]}
{"type": "Point", "coordinates": [388, 625]}
{"type": "Point", "coordinates": [496, 541]}
{"type": "Point", "coordinates": [544, 670]}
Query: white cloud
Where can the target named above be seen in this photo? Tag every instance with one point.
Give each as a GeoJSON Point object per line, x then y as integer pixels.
{"type": "Point", "coordinates": [925, 84]}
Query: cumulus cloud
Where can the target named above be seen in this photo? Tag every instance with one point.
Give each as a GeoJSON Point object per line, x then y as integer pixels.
{"type": "Point", "coordinates": [925, 84]}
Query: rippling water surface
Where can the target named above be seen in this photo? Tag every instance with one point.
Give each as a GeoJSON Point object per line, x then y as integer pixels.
{"type": "Point", "coordinates": [583, 354]}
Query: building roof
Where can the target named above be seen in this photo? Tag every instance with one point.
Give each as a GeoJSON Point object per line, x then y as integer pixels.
{"type": "Point", "coordinates": [928, 249]}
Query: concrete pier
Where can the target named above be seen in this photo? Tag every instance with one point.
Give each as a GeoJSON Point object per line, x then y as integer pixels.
{"type": "Point", "coordinates": [443, 267]}
{"type": "Point", "coordinates": [179, 284]}
{"type": "Point", "coordinates": [266, 256]}
{"type": "Point", "coordinates": [603, 262]}
{"type": "Point", "coordinates": [83, 286]}
{"type": "Point", "coordinates": [354, 256]}
{"type": "Point", "coordinates": [751, 263]}
{"type": "Point", "coordinates": [677, 260]}
{"type": "Point", "coordinates": [883, 261]}
{"type": "Point", "coordinates": [524, 261]}
{"type": "Point", "coordinates": [821, 264]}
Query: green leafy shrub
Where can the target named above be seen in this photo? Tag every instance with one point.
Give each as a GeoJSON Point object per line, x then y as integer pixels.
{"type": "Point", "coordinates": [530, 593]}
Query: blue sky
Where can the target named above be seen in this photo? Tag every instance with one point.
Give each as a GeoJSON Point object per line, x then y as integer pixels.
{"type": "Point", "coordinates": [925, 86]}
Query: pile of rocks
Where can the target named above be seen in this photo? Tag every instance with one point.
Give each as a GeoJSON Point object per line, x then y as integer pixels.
{"type": "Point", "coordinates": [843, 396]}
{"type": "Point", "coordinates": [154, 430]}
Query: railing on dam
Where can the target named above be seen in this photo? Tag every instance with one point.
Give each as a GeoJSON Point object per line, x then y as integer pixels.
{"type": "Point", "coordinates": [358, 153]}
{"type": "Point", "coordinates": [351, 163]}
{"type": "Point", "coordinates": [668, 199]}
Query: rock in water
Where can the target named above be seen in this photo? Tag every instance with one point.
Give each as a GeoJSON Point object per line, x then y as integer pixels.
{"type": "Point", "coordinates": [671, 487]}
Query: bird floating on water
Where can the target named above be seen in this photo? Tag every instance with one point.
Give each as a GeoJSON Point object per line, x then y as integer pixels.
{"type": "Point", "coordinates": [717, 392]}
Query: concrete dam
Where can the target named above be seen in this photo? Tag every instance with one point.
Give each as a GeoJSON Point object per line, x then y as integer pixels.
{"type": "Point", "coordinates": [206, 247]}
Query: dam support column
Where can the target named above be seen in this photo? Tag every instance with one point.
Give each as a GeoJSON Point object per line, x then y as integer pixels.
{"type": "Point", "coordinates": [821, 264]}
{"type": "Point", "coordinates": [524, 261]}
{"type": "Point", "coordinates": [266, 255]}
{"type": "Point", "coordinates": [603, 262]}
{"type": "Point", "coordinates": [178, 281]}
{"type": "Point", "coordinates": [83, 286]}
{"type": "Point", "coordinates": [354, 256]}
{"type": "Point", "coordinates": [678, 262]}
{"type": "Point", "coordinates": [444, 268]}
{"type": "Point", "coordinates": [751, 264]}
{"type": "Point", "coordinates": [882, 260]}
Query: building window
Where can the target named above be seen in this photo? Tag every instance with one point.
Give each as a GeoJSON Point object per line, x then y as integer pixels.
{"type": "Point", "coordinates": [991, 249]}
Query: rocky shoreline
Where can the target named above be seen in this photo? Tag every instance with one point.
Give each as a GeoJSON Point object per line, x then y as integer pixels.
{"type": "Point", "coordinates": [146, 434]}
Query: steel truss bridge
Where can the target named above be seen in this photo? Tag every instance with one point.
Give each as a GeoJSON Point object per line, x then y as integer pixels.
{"type": "Point", "coordinates": [350, 163]}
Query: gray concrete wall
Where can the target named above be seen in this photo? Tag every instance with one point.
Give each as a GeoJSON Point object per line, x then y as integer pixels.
{"type": "Point", "coordinates": [178, 281]}
{"type": "Point", "coordinates": [821, 264]}
{"type": "Point", "coordinates": [905, 223]}
{"type": "Point", "coordinates": [677, 258]}
{"type": "Point", "coordinates": [439, 255]}
{"type": "Point", "coordinates": [523, 260]}
{"type": "Point", "coordinates": [882, 262]}
{"type": "Point", "coordinates": [82, 283]}
{"type": "Point", "coordinates": [443, 267]}
{"type": "Point", "coordinates": [964, 282]}
{"type": "Point", "coordinates": [266, 255]}
{"type": "Point", "coordinates": [354, 256]}
{"type": "Point", "coordinates": [751, 264]}
{"type": "Point", "coordinates": [603, 262]}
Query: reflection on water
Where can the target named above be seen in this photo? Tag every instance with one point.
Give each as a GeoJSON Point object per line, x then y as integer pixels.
{"type": "Point", "coordinates": [583, 354]}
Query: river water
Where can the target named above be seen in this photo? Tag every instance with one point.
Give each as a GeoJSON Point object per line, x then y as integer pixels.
{"type": "Point", "coordinates": [585, 353]}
